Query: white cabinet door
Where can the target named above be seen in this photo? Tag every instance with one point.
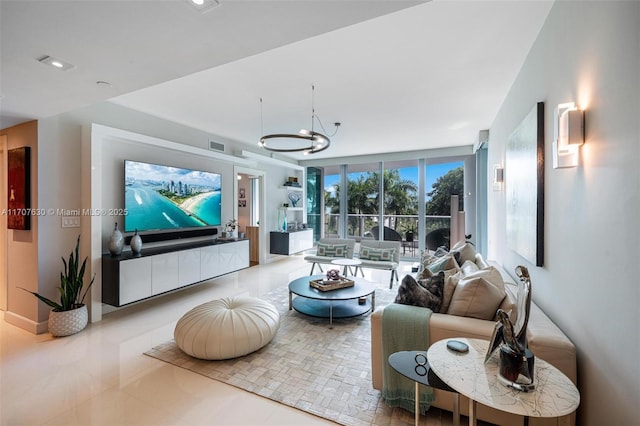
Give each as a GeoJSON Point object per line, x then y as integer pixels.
{"type": "Point", "coordinates": [188, 266]}
{"type": "Point", "coordinates": [210, 264]}
{"type": "Point", "coordinates": [242, 254]}
{"type": "Point", "coordinates": [164, 272]}
{"type": "Point", "coordinates": [135, 280]}
{"type": "Point", "coordinates": [300, 240]}
{"type": "Point", "coordinates": [227, 258]}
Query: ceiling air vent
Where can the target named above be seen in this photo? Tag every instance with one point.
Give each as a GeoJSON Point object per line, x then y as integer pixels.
{"type": "Point", "coordinates": [216, 146]}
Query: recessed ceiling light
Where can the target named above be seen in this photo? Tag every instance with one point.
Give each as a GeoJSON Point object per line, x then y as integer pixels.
{"type": "Point", "coordinates": [203, 5]}
{"type": "Point", "coordinates": [56, 63]}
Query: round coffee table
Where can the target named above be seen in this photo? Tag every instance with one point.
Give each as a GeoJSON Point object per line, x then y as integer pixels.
{"type": "Point", "coordinates": [341, 303]}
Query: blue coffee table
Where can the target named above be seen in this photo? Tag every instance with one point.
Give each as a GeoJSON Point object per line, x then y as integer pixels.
{"type": "Point", "coordinates": [341, 303]}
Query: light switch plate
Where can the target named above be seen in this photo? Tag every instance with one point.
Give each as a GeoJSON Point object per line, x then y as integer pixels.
{"type": "Point", "coordinates": [70, 222]}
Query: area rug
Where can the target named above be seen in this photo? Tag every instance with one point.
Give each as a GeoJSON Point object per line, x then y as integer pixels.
{"type": "Point", "coordinates": [308, 365]}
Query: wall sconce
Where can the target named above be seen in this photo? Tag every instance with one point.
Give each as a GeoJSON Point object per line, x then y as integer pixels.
{"type": "Point", "coordinates": [568, 134]}
{"type": "Point", "coordinates": [498, 177]}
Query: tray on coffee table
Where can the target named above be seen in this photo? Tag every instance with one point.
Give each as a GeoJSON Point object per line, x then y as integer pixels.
{"type": "Point", "coordinates": [328, 285]}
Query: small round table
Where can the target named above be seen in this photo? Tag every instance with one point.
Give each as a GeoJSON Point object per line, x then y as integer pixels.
{"type": "Point", "coordinates": [555, 394]}
{"type": "Point", "coordinates": [341, 303]}
{"type": "Point", "coordinates": [405, 363]}
{"type": "Point", "coordinates": [348, 263]}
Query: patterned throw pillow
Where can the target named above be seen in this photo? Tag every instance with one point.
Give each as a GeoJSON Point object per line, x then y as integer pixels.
{"type": "Point", "coordinates": [427, 294]}
{"type": "Point", "coordinates": [368, 253]}
{"type": "Point", "coordinates": [423, 271]}
{"type": "Point", "coordinates": [443, 263]}
{"type": "Point", "coordinates": [332, 250]}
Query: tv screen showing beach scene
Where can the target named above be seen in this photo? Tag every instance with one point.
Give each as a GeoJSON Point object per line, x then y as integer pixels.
{"type": "Point", "coordinates": [161, 198]}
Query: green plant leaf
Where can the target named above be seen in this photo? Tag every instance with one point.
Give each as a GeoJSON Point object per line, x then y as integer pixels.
{"type": "Point", "coordinates": [71, 282]}
{"type": "Point", "coordinates": [44, 299]}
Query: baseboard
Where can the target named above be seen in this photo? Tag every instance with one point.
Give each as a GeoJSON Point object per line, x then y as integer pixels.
{"type": "Point", "coordinates": [26, 323]}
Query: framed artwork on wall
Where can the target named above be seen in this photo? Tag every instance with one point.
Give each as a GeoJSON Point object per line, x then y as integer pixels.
{"type": "Point", "coordinates": [524, 186]}
{"type": "Point", "coordinates": [19, 188]}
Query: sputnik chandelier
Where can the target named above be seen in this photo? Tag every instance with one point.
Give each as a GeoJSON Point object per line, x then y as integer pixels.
{"type": "Point", "coordinates": [306, 141]}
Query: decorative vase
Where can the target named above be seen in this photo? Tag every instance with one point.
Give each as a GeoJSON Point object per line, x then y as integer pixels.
{"type": "Point", "coordinates": [116, 242]}
{"type": "Point", "coordinates": [66, 323]}
{"type": "Point", "coordinates": [515, 367]}
{"type": "Point", "coordinates": [136, 243]}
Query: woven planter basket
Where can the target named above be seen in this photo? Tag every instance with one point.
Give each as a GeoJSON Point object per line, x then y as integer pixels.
{"type": "Point", "coordinates": [66, 323]}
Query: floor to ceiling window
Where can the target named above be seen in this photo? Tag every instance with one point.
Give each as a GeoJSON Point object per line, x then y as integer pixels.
{"type": "Point", "coordinates": [363, 188]}
{"type": "Point", "coordinates": [400, 182]}
{"type": "Point", "coordinates": [315, 200]}
{"type": "Point", "coordinates": [442, 181]}
{"type": "Point", "coordinates": [407, 201]}
{"type": "Point", "coordinates": [331, 194]}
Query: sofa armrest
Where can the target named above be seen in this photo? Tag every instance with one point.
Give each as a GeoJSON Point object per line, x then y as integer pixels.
{"type": "Point", "coordinates": [548, 342]}
{"type": "Point", "coordinates": [376, 348]}
{"type": "Point", "coordinates": [441, 326]}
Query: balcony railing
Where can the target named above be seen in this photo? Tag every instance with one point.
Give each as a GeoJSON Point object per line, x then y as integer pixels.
{"type": "Point", "coordinates": [359, 226]}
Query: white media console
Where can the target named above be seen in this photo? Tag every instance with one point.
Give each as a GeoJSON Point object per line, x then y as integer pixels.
{"type": "Point", "coordinates": [129, 278]}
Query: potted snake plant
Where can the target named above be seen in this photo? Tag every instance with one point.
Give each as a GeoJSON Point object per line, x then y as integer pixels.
{"type": "Point", "coordinates": [70, 315]}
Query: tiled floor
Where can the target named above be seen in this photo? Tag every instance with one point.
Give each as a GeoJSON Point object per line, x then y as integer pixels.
{"type": "Point", "coordinates": [101, 377]}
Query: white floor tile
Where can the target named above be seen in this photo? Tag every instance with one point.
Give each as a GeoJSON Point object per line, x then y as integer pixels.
{"type": "Point", "coordinates": [101, 377]}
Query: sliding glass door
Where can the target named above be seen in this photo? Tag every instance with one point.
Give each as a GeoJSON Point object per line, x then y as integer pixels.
{"type": "Point", "coordinates": [406, 201]}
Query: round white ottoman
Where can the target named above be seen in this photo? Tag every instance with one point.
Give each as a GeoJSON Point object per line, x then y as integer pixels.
{"type": "Point", "coordinates": [227, 328]}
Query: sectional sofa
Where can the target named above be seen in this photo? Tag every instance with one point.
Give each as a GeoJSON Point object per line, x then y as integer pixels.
{"type": "Point", "coordinates": [544, 339]}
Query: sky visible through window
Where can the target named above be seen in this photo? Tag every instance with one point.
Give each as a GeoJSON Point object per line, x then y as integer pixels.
{"type": "Point", "coordinates": [434, 171]}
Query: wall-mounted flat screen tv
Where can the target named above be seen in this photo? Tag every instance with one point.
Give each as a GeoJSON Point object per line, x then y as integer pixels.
{"type": "Point", "coordinates": [165, 198]}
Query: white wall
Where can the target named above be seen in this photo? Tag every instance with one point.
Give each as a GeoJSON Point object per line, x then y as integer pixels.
{"type": "Point", "coordinates": [62, 181]}
{"type": "Point", "coordinates": [117, 150]}
{"type": "Point", "coordinates": [587, 52]}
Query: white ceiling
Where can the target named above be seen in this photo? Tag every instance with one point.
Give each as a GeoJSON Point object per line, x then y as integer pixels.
{"type": "Point", "coordinates": [398, 75]}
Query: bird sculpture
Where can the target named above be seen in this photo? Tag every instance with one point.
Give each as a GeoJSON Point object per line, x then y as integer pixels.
{"type": "Point", "coordinates": [508, 334]}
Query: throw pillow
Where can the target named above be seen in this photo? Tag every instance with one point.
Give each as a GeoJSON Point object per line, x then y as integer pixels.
{"type": "Point", "coordinates": [427, 294]}
{"type": "Point", "coordinates": [451, 278]}
{"type": "Point", "coordinates": [443, 263]}
{"type": "Point", "coordinates": [441, 251]}
{"type": "Point", "coordinates": [478, 295]}
{"type": "Point", "coordinates": [425, 258]}
{"type": "Point", "coordinates": [369, 253]}
{"type": "Point", "coordinates": [466, 250]}
{"type": "Point", "coordinates": [469, 268]}
{"type": "Point", "coordinates": [332, 250]}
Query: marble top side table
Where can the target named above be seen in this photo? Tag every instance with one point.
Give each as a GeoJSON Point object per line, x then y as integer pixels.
{"type": "Point", "coordinates": [555, 394]}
